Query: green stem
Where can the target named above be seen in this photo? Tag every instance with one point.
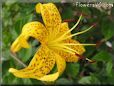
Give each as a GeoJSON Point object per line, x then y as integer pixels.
{"type": "Point", "coordinates": [14, 56]}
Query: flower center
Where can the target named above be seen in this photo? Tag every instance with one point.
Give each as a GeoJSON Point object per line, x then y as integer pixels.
{"type": "Point", "coordinates": [55, 39]}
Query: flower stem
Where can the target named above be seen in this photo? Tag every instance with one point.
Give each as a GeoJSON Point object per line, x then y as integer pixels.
{"type": "Point", "coordinates": [14, 56]}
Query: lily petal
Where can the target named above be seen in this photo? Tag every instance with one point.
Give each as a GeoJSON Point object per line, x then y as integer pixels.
{"type": "Point", "coordinates": [72, 57]}
{"type": "Point", "coordinates": [50, 14]}
{"type": "Point", "coordinates": [18, 44]}
{"type": "Point", "coordinates": [41, 64]}
{"type": "Point", "coordinates": [57, 32]}
{"type": "Point", "coordinates": [61, 64]}
{"type": "Point", "coordinates": [64, 28]}
{"type": "Point", "coordinates": [31, 29]}
{"type": "Point", "coordinates": [50, 77]}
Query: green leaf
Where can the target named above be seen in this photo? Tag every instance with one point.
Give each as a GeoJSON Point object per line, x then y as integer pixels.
{"type": "Point", "coordinates": [25, 54]}
{"type": "Point", "coordinates": [85, 80]}
{"type": "Point", "coordinates": [68, 13]}
{"type": "Point", "coordinates": [107, 29]}
{"type": "Point", "coordinates": [112, 12]}
{"type": "Point", "coordinates": [7, 78]}
{"type": "Point", "coordinates": [6, 64]}
{"type": "Point", "coordinates": [72, 69]}
{"type": "Point", "coordinates": [109, 66]}
{"type": "Point", "coordinates": [21, 22]}
{"type": "Point", "coordinates": [113, 45]}
{"type": "Point", "coordinates": [27, 81]}
{"type": "Point", "coordinates": [17, 81]}
{"type": "Point", "coordinates": [6, 54]}
{"type": "Point", "coordinates": [64, 81]}
{"type": "Point", "coordinates": [89, 80]}
{"type": "Point", "coordinates": [102, 56]}
{"type": "Point", "coordinates": [85, 10]}
{"type": "Point", "coordinates": [7, 2]}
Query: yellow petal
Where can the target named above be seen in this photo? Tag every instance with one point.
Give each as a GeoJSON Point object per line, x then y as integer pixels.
{"type": "Point", "coordinates": [50, 77]}
{"type": "Point", "coordinates": [15, 46]}
{"type": "Point", "coordinates": [23, 43]}
{"type": "Point", "coordinates": [50, 14]}
{"type": "Point", "coordinates": [72, 57]}
{"type": "Point", "coordinates": [41, 64]}
{"type": "Point", "coordinates": [18, 44]}
{"type": "Point", "coordinates": [31, 29]}
{"type": "Point", "coordinates": [64, 28]}
{"type": "Point", "coordinates": [61, 64]}
{"type": "Point", "coordinates": [61, 30]}
{"type": "Point", "coordinates": [67, 31]}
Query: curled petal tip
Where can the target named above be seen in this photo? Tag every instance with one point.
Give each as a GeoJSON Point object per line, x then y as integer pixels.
{"type": "Point", "coordinates": [12, 49]}
{"type": "Point", "coordinates": [15, 46]}
{"type": "Point", "coordinates": [12, 70]}
{"type": "Point", "coordinates": [38, 7]}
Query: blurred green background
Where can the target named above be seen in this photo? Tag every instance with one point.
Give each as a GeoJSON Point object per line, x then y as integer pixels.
{"type": "Point", "coordinates": [16, 14]}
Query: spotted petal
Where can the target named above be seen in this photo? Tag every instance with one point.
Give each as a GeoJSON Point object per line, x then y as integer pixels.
{"type": "Point", "coordinates": [61, 64]}
{"type": "Point", "coordinates": [31, 29]}
{"type": "Point", "coordinates": [72, 57]}
{"type": "Point", "coordinates": [64, 28]}
{"type": "Point", "coordinates": [50, 14]}
{"type": "Point", "coordinates": [41, 64]}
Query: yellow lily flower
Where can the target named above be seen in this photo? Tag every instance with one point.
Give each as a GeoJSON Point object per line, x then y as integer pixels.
{"type": "Point", "coordinates": [57, 45]}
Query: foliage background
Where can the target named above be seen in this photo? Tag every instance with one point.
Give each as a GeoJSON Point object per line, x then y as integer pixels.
{"type": "Point", "coordinates": [16, 14]}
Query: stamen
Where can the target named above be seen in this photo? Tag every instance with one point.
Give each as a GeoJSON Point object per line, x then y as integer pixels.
{"type": "Point", "coordinates": [59, 48]}
{"type": "Point", "coordinates": [63, 46]}
{"type": "Point", "coordinates": [61, 37]}
{"type": "Point", "coordinates": [75, 24]}
{"type": "Point", "coordinates": [80, 56]}
{"type": "Point", "coordinates": [78, 44]}
{"type": "Point", "coordinates": [77, 33]}
{"type": "Point", "coordinates": [68, 51]}
{"type": "Point", "coordinates": [91, 61]}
